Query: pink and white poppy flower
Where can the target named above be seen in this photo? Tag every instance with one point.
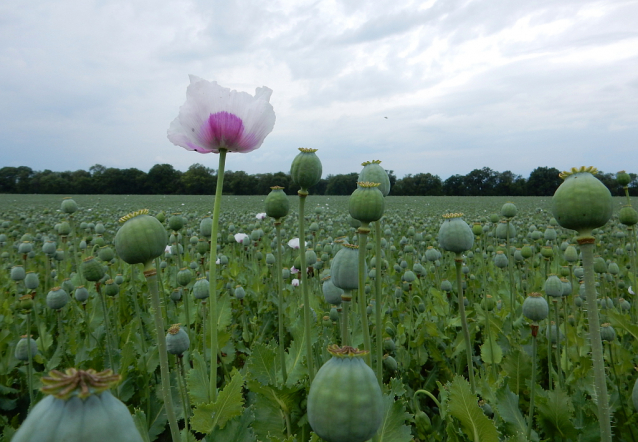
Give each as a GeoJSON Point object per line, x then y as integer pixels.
{"type": "Point", "coordinates": [215, 117]}
{"type": "Point", "coordinates": [295, 282]}
{"type": "Point", "coordinates": [242, 238]}
{"type": "Point", "coordinates": [261, 216]}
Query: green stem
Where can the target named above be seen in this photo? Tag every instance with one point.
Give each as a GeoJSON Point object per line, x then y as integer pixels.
{"type": "Point", "coordinates": [604, 419]}
{"type": "Point", "coordinates": [30, 361]}
{"type": "Point", "coordinates": [212, 318]}
{"type": "Point", "coordinates": [107, 339]}
{"type": "Point", "coordinates": [559, 369]}
{"type": "Point", "coordinates": [345, 305]}
{"type": "Point", "coordinates": [150, 273]}
{"type": "Point", "coordinates": [458, 262]}
{"type": "Point", "coordinates": [280, 293]}
{"type": "Point", "coordinates": [533, 384]}
{"type": "Point", "coordinates": [363, 238]}
{"type": "Point", "coordinates": [436, 401]}
{"type": "Point", "coordinates": [304, 285]}
{"type": "Point", "coordinates": [378, 294]}
{"type": "Point", "coordinates": [182, 392]}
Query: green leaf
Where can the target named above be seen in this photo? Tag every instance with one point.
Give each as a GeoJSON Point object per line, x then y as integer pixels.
{"type": "Point", "coordinates": [261, 364]}
{"type": "Point", "coordinates": [489, 349]}
{"type": "Point", "coordinates": [55, 360]}
{"type": "Point", "coordinates": [463, 405]}
{"type": "Point", "coordinates": [554, 414]}
{"type": "Point", "coordinates": [393, 428]}
{"type": "Point", "coordinates": [140, 422]}
{"type": "Point", "coordinates": [197, 380]}
{"type": "Point", "coordinates": [224, 313]}
{"type": "Point", "coordinates": [295, 359]}
{"type": "Point", "coordinates": [507, 408]}
{"type": "Point", "coordinates": [228, 405]}
{"type": "Point", "coordinates": [518, 366]}
{"type": "Point", "coordinates": [271, 405]}
{"type": "Point", "coordinates": [128, 358]}
{"type": "Point", "coordinates": [44, 341]}
{"type": "Point", "coordinates": [152, 362]}
{"type": "Point", "coordinates": [238, 429]}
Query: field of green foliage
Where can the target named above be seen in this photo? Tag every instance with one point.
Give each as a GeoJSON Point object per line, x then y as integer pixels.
{"type": "Point", "coordinates": [64, 283]}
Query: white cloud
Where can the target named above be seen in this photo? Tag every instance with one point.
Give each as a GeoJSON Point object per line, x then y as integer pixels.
{"type": "Point", "coordinates": [463, 84]}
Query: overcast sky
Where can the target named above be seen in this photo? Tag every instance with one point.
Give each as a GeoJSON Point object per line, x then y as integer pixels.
{"type": "Point", "coordinates": [510, 85]}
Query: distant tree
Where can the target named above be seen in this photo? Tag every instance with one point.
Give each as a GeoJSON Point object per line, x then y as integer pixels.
{"type": "Point", "coordinates": [421, 184]}
{"type": "Point", "coordinates": [240, 183]}
{"type": "Point", "coordinates": [341, 184]}
{"type": "Point", "coordinates": [199, 180]}
{"type": "Point", "coordinates": [480, 182]}
{"type": "Point", "coordinates": [509, 184]}
{"type": "Point", "coordinates": [163, 179]}
{"type": "Point", "coordinates": [543, 181]}
{"type": "Point", "coordinates": [454, 186]}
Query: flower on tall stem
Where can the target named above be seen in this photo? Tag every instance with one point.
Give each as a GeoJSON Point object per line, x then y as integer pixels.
{"type": "Point", "coordinates": [215, 118]}
{"type": "Point", "coordinates": [219, 120]}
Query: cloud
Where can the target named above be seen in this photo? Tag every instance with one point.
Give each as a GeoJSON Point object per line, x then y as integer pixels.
{"type": "Point", "coordinates": [463, 84]}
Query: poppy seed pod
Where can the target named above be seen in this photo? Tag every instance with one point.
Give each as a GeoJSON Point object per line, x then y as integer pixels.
{"type": "Point", "coordinates": [366, 204]}
{"type": "Point", "coordinates": [176, 222]}
{"type": "Point", "coordinates": [535, 307]}
{"type": "Point", "coordinates": [80, 408]}
{"type": "Point", "coordinates": [306, 169]}
{"type": "Point", "coordinates": [206, 227]}
{"type": "Point", "coordinates": [628, 216]}
{"type": "Point", "coordinates": [31, 281]}
{"type": "Point", "coordinates": [373, 173]}
{"type": "Point", "coordinates": [92, 270]}
{"type": "Point", "coordinates": [331, 293]}
{"type": "Point", "coordinates": [141, 238]}
{"type": "Point", "coordinates": [582, 202]}
{"type": "Point", "coordinates": [345, 268]}
{"type": "Point", "coordinates": [57, 298]}
{"type": "Point", "coordinates": [277, 203]}
{"type": "Point", "coordinates": [18, 273]}
{"type": "Point", "coordinates": [623, 178]}
{"type": "Point", "coordinates": [81, 294]}
{"type": "Point", "coordinates": [177, 340]}
{"type": "Point", "coordinates": [201, 288]}
{"type": "Point", "coordinates": [455, 235]}
{"type": "Point", "coordinates": [25, 345]}
{"type": "Point", "coordinates": [68, 206]}
{"type": "Point", "coordinates": [509, 210]}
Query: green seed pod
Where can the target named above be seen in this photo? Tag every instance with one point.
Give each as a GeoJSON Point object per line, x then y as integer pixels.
{"type": "Point", "coordinates": [477, 229]}
{"type": "Point", "coordinates": [201, 288]}
{"type": "Point", "coordinates": [64, 228]}
{"type": "Point", "coordinates": [455, 235]}
{"type": "Point", "coordinates": [389, 345]}
{"type": "Point", "coordinates": [366, 204]}
{"type": "Point", "coordinates": [177, 340]}
{"type": "Point", "coordinates": [176, 294]}
{"type": "Point", "coordinates": [141, 239]}
{"type": "Point", "coordinates": [373, 173]}
{"type": "Point", "coordinates": [535, 307]}
{"type": "Point", "coordinates": [553, 286]}
{"type": "Point", "coordinates": [628, 216]}
{"type": "Point", "coordinates": [106, 254]}
{"type": "Point", "coordinates": [500, 260]}
{"type": "Point", "coordinates": [57, 298]}
{"type": "Point", "coordinates": [550, 234]}
{"type": "Point", "coordinates": [92, 270]}
{"type": "Point", "coordinates": [22, 348]}
{"type": "Point", "coordinates": [509, 210]}
{"type": "Point", "coordinates": [184, 276]}
{"type": "Point", "coordinates": [240, 293]}
{"type": "Point", "coordinates": [600, 266]}
{"type": "Point", "coordinates": [390, 363]}
{"type": "Point", "coordinates": [408, 276]}
{"type": "Point", "coordinates": [345, 403]}
{"type": "Point", "coordinates": [68, 206]}
{"type": "Point", "coordinates": [25, 247]}
{"type": "Point", "coordinates": [501, 230]}
{"type": "Point", "coordinates": [331, 293]}
{"type": "Point", "coordinates": [111, 288]}
{"type": "Point", "coordinates": [176, 222]}
{"type": "Point", "coordinates": [18, 273]}
{"type": "Point", "coordinates": [582, 202]}
{"type": "Point", "coordinates": [206, 227]}
{"type": "Point", "coordinates": [306, 169]}
{"type": "Point", "coordinates": [81, 294]}
{"type": "Point", "coordinates": [49, 247]}
{"type": "Point", "coordinates": [571, 254]}
{"type": "Point", "coordinates": [423, 424]}
{"type": "Point", "coordinates": [526, 251]}
{"type": "Point", "coordinates": [623, 178]}
{"type": "Point", "coordinates": [31, 281]}
{"type": "Point", "coordinates": [277, 203]}
{"type": "Point", "coordinates": [345, 268]}
{"type": "Point", "coordinates": [607, 332]}
{"type": "Point", "coordinates": [547, 251]}
{"type": "Point", "coordinates": [446, 285]}
{"type": "Point", "coordinates": [553, 333]}
{"type": "Point", "coordinates": [80, 409]}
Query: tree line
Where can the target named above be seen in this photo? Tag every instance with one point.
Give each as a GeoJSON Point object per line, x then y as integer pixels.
{"type": "Point", "coordinates": [164, 179]}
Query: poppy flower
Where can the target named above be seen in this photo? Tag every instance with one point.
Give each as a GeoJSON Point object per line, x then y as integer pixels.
{"type": "Point", "coordinates": [215, 117]}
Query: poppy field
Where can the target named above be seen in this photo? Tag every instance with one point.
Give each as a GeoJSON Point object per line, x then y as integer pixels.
{"type": "Point", "coordinates": [404, 359]}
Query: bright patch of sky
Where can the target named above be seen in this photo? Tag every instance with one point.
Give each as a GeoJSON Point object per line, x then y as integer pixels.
{"type": "Point", "coordinates": [441, 86]}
